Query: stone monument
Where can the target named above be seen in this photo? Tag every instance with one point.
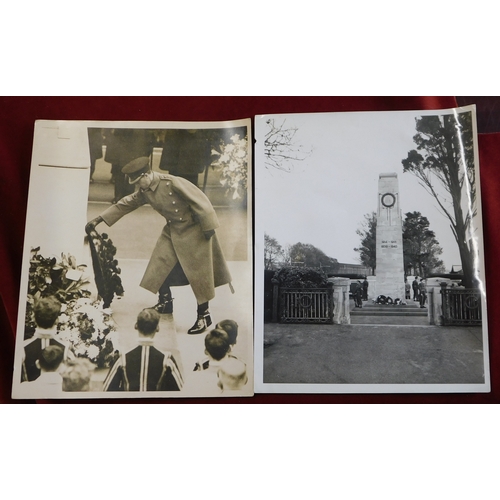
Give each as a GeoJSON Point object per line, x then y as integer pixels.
{"type": "Point", "coordinates": [389, 240]}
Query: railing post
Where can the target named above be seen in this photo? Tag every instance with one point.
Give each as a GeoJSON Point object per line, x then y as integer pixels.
{"type": "Point", "coordinates": [341, 313]}
{"type": "Point", "coordinates": [435, 301]}
{"type": "Point", "coordinates": [444, 303]}
{"type": "Point", "coordinates": [275, 299]}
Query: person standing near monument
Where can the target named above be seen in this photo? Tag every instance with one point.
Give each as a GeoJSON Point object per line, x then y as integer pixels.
{"type": "Point", "coordinates": [365, 289]}
{"type": "Point", "coordinates": [186, 153]}
{"type": "Point", "coordinates": [358, 295]}
{"type": "Point", "coordinates": [187, 251]}
{"type": "Point", "coordinates": [407, 290]}
{"type": "Point", "coordinates": [423, 293]}
{"type": "Point", "coordinates": [414, 285]}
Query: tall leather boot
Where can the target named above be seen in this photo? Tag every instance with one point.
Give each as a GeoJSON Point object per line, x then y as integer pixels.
{"type": "Point", "coordinates": [165, 304]}
{"type": "Point", "coordinates": [203, 321]}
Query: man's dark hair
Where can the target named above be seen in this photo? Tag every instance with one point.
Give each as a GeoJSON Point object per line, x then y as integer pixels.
{"type": "Point", "coordinates": [231, 328]}
{"type": "Point", "coordinates": [47, 311]}
{"type": "Point", "coordinates": [50, 358]}
{"type": "Point", "coordinates": [217, 344]}
{"type": "Point", "coordinates": [147, 321]}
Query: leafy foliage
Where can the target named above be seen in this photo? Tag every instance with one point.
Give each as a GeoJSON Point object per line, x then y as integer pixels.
{"type": "Point", "coordinates": [301, 277]}
{"type": "Point", "coordinates": [445, 156]}
{"type": "Point", "coordinates": [86, 325]}
{"type": "Point", "coordinates": [368, 248]}
{"type": "Point", "coordinates": [47, 277]}
{"type": "Point", "coordinates": [421, 250]}
{"type": "Point", "coordinates": [312, 256]}
{"type": "Point", "coordinates": [273, 251]}
{"type": "Point", "coordinates": [420, 246]}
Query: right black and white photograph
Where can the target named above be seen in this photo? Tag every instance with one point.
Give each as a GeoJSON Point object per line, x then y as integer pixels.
{"type": "Point", "coordinates": [369, 263]}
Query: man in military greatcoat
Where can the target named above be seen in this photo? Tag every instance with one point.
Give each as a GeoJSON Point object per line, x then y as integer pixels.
{"type": "Point", "coordinates": [187, 251]}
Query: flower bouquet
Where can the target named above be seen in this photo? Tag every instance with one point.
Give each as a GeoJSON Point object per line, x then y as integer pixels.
{"type": "Point", "coordinates": [88, 328]}
{"type": "Point", "coordinates": [86, 325]}
{"type": "Point", "coordinates": [63, 279]}
{"type": "Point", "coordinates": [232, 162]}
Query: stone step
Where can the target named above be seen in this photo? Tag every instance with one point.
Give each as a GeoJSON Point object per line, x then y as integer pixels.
{"type": "Point", "coordinates": [391, 308]}
{"type": "Point", "coordinates": [400, 312]}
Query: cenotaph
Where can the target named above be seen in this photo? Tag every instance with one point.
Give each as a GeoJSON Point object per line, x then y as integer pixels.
{"type": "Point", "coordinates": [389, 239]}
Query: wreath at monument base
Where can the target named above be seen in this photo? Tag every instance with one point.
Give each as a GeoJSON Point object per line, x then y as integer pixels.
{"type": "Point", "coordinates": [386, 300]}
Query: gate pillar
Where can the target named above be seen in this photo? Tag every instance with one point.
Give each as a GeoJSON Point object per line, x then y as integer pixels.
{"type": "Point", "coordinates": [341, 312]}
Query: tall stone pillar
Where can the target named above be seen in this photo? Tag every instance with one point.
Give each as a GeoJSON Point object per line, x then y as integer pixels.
{"type": "Point", "coordinates": [341, 313]}
{"type": "Point", "coordinates": [389, 241]}
{"type": "Point", "coordinates": [59, 186]}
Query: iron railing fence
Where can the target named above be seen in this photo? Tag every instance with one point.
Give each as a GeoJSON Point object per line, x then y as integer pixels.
{"type": "Point", "coordinates": [305, 305]}
{"type": "Point", "coordinates": [461, 306]}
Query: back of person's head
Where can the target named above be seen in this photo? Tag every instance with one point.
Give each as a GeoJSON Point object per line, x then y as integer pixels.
{"type": "Point", "coordinates": [217, 344]}
{"type": "Point", "coordinates": [232, 374]}
{"type": "Point", "coordinates": [47, 311]}
{"type": "Point", "coordinates": [76, 375]}
{"type": "Point", "coordinates": [50, 358]}
{"type": "Point", "coordinates": [147, 321]}
{"type": "Point", "coordinates": [230, 327]}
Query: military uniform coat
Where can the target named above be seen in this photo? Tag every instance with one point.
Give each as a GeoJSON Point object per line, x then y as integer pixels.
{"type": "Point", "coordinates": [188, 213]}
{"type": "Point", "coordinates": [144, 368]}
{"type": "Point", "coordinates": [33, 348]}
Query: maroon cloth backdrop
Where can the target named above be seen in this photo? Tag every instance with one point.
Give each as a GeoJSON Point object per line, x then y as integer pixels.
{"type": "Point", "coordinates": [17, 116]}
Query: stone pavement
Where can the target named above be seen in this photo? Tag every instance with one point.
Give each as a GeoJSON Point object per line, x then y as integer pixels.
{"type": "Point", "coordinates": [372, 354]}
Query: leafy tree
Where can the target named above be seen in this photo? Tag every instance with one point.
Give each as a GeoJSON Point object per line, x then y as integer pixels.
{"type": "Point", "coordinates": [420, 247]}
{"type": "Point", "coordinates": [445, 156]}
{"type": "Point", "coordinates": [368, 248]}
{"type": "Point", "coordinates": [280, 146]}
{"type": "Point", "coordinates": [273, 251]}
{"type": "Point", "coordinates": [311, 256]}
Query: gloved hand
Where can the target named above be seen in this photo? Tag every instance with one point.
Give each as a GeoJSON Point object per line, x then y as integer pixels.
{"type": "Point", "coordinates": [209, 234]}
{"type": "Point", "coordinates": [90, 226]}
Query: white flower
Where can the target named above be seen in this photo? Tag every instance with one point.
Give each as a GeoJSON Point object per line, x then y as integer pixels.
{"type": "Point", "coordinates": [63, 318]}
{"type": "Point", "coordinates": [92, 351]}
{"type": "Point", "coordinates": [80, 349]}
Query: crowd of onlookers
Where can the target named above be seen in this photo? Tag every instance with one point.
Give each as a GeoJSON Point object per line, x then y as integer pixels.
{"type": "Point", "coordinates": [50, 368]}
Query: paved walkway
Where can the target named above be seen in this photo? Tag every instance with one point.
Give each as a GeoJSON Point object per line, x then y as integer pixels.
{"type": "Point", "coordinates": [372, 354]}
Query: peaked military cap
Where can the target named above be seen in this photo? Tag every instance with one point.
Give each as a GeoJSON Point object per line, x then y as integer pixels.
{"type": "Point", "coordinates": [136, 167]}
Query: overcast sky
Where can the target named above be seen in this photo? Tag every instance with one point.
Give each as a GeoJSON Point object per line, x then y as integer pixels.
{"type": "Point", "coordinates": [323, 199]}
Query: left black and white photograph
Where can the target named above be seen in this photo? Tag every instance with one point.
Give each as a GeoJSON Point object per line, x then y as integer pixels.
{"type": "Point", "coordinates": [137, 262]}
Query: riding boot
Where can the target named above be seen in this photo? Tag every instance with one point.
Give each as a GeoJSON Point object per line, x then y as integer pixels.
{"type": "Point", "coordinates": [165, 304]}
{"type": "Point", "coordinates": [203, 321]}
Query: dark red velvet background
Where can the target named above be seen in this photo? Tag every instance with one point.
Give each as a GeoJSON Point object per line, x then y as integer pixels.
{"type": "Point", "coordinates": [17, 116]}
